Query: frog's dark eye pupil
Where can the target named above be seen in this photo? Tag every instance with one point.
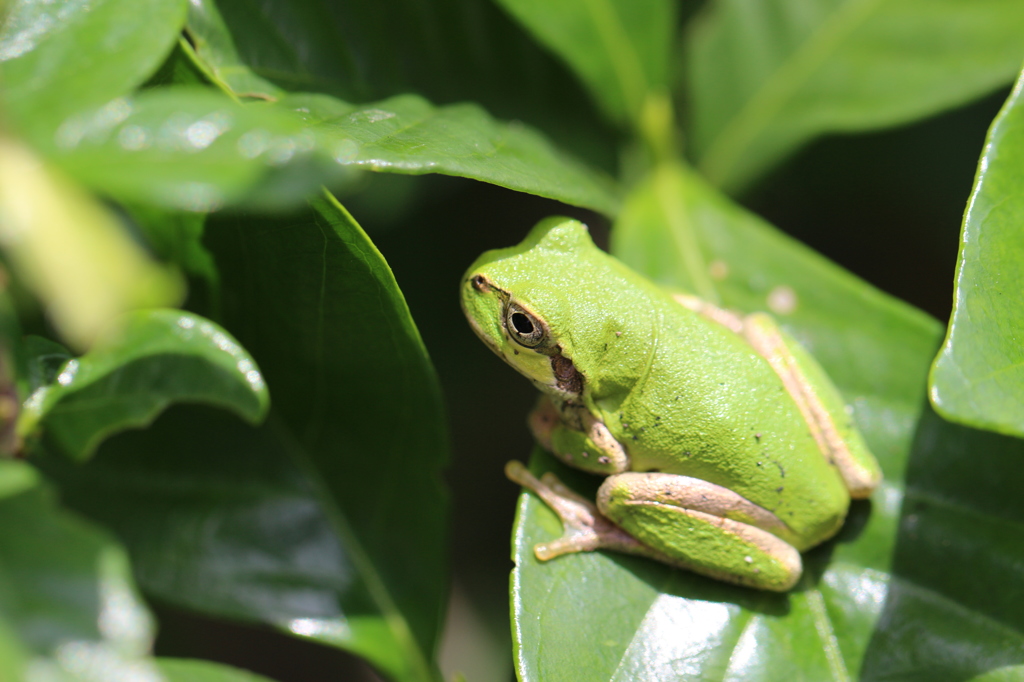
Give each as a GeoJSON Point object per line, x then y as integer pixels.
{"type": "Point", "coordinates": [524, 328]}
{"type": "Point", "coordinates": [522, 323]}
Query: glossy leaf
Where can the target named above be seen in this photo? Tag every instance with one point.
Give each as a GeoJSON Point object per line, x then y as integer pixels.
{"type": "Point", "coordinates": [66, 593]}
{"type": "Point", "coordinates": [978, 376]}
{"type": "Point", "coordinates": [153, 358]}
{"type": "Point", "coordinates": [328, 521]}
{"type": "Point", "coordinates": [271, 552]}
{"type": "Point", "coordinates": [316, 303]}
{"type": "Point", "coordinates": [69, 610]}
{"type": "Point", "coordinates": [216, 53]}
{"type": "Point", "coordinates": [407, 134]}
{"type": "Point", "coordinates": [194, 149]}
{"type": "Point", "coordinates": [71, 251]}
{"type": "Point", "coordinates": [766, 77]}
{"type": "Point", "coordinates": [619, 48]}
{"type": "Point", "coordinates": [57, 58]}
{"type": "Point", "coordinates": [904, 592]}
{"type": "Point", "coordinates": [446, 50]}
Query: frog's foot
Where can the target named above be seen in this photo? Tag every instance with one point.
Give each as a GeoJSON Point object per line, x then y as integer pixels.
{"type": "Point", "coordinates": [586, 529]}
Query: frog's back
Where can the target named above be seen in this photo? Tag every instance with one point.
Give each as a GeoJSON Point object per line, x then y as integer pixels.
{"type": "Point", "coordinates": [710, 407]}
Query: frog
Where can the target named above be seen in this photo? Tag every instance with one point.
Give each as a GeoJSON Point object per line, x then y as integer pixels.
{"type": "Point", "coordinates": [725, 448]}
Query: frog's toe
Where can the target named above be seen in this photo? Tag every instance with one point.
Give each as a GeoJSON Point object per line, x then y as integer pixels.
{"type": "Point", "coordinates": [586, 529]}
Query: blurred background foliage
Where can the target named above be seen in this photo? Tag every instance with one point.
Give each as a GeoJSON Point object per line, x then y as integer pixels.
{"type": "Point", "coordinates": [243, 420]}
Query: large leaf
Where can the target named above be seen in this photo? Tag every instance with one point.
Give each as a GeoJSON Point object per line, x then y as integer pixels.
{"type": "Point", "coordinates": [766, 77]}
{"type": "Point", "coordinates": [152, 359]}
{"type": "Point", "coordinates": [69, 611]}
{"type": "Point", "coordinates": [216, 55]}
{"type": "Point", "coordinates": [195, 149]}
{"type": "Point", "coordinates": [619, 48]}
{"type": "Point", "coordinates": [445, 50]}
{"type": "Point", "coordinates": [328, 521]}
{"type": "Point", "coordinates": [904, 592]}
{"type": "Point", "coordinates": [57, 58]}
{"type": "Point", "coordinates": [66, 591]}
{"type": "Point", "coordinates": [406, 134]}
{"type": "Point", "coordinates": [978, 377]}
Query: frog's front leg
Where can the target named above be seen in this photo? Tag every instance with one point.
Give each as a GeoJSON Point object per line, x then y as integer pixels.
{"type": "Point", "coordinates": [573, 434]}
{"type": "Point", "coordinates": [678, 520]}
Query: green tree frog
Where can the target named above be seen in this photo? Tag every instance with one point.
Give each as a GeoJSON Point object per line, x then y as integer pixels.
{"type": "Point", "coordinates": [726, 448]}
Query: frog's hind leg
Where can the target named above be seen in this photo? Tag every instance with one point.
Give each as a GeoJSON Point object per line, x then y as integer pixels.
{"type": "Point", "coordinates": [676, 520]}
{"type": "Point", "coordinates": [586, 530]}
{"type": "Point", "coordinates": [819, 402]}
{"type": "Point", "coordinates": [823, 408]}
{"type": "Point", "coordinates": [703, 527]}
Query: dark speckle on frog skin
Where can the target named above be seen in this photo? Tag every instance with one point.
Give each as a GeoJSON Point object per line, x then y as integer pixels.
{"type": "Point", "coordinates": [779, 489]}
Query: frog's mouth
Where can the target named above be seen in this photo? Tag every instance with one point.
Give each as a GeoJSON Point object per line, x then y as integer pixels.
{"type": "Point", "coordinates": [544, 365]}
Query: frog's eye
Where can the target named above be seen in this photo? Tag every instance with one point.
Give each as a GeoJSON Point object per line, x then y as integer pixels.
{"type": "Point", "coordinates": [524, 328]}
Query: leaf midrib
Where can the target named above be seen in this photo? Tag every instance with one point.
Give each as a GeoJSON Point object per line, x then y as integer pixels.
{"type": "Point", "coordinates": [754, 116]}
{"type": "Point", "coordinates": [375, 585]}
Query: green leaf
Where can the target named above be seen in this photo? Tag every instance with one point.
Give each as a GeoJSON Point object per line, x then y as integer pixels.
{"type": "Point", "coordinates": [905, 590]}
{"type": "Point", "coordinates": [619, 48]}
{"type": "Point", "coordinates": [71, 251]}
{"type": "Point", "coordinates": [978, 376]}
{"type": "Point", "coordinates": [445, 50]}
{"type": "Point", "coordinates": [407, 134]}
{"type": "Point", "coordinates": [57, 58]}
{"type": "Point", "coordinates": [153, 358]}
{"type": "Point", "coordinates": [194, 149]}
{"type": "Point", "coordinates": [312, 297]}
{"type": "Point", "coordinates": [16, 477]}
{"type": "Point", "coordinates": [328, 521]}
{"type": "Point", "coordinates": [66, 593]}
{"type": "Point", "coordinates": [766, 77]}
{"type": "Point", "coordinates": [186, 670]}
{"type": "Point", "coordinates": [216, 54]}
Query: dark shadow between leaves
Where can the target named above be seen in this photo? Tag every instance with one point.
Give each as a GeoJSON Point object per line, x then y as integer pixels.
{"type": "Point", "coordinates": [952, 610]}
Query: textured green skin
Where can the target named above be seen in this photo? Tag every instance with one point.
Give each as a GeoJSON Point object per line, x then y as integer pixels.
{"type": "Point", "coordinates": [682, 394]}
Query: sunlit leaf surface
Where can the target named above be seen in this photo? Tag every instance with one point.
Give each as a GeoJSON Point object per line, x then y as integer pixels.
{"type": "Point", "coordinates": [151, 359]}
{"type": "Point", "coordinates": [68, 607]}
{"type": "Point", "coordinates": [194, 149]}
{"type": "Point", "coordinates": [619, 48]}
{"type": "Point", "coordinates": [978, 377]}
{"type": "Point", "coordinates": [766, 77]}
{"type": "Point", "coordinates": [904, 591]}
{"type": "Point", "coordinates": [447, 51]}
{"type": "Point", "coordinates": [57, 58]}
{"type": "Point", "coordinates": [407, 134]}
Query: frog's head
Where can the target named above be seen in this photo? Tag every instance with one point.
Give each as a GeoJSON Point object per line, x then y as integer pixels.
{"type": "Point", "coordinates": [540, 304]}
